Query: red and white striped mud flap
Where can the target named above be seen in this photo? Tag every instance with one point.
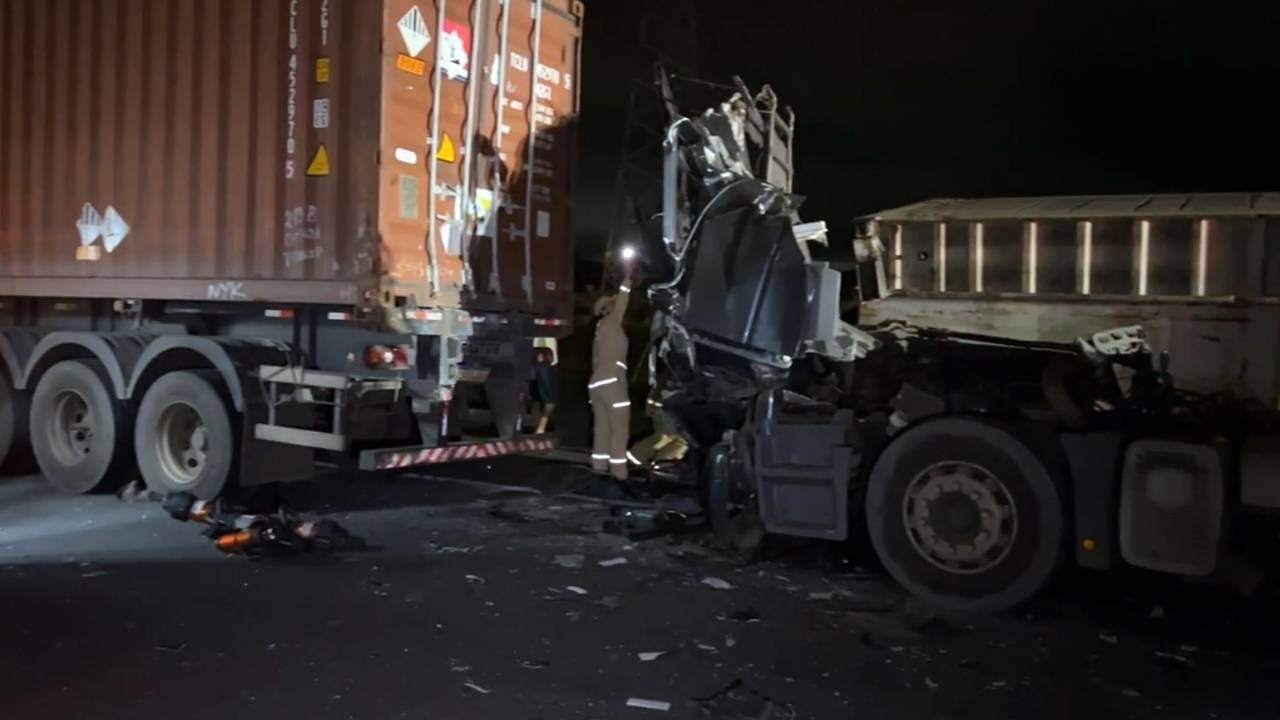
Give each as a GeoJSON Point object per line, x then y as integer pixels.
{"type": "Point", "coordinates": [407, 457]}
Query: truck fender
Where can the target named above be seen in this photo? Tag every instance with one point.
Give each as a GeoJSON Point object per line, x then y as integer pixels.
{"type": "Point", "coordinates": [231, 359]}
{"type": "Point", "coordinates": [16, 346]}
{"type": "Point", "coordinates": [118, 353]}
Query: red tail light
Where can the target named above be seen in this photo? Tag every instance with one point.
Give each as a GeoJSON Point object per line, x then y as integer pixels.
{"type": "Point", "coordinates": [386, 357]}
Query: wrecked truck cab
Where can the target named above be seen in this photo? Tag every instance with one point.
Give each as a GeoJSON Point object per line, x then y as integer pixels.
{"type": "Point", "coordinates": [958, 427]}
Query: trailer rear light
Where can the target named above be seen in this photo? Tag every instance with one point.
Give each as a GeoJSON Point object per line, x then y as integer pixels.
{"type": "Point", "coordinates": [279, 314]}
{"type": "Point", "coordinates": [550, 322]}
{"type": "Point", "coordinates": [424, 315]}
{"type": "Point", "coordinates": [386, 357]}
{"type": "Point", "coordinates": [341, 316]}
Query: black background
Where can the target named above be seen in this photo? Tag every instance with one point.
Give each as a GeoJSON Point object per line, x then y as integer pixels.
{"type": "Point", "coordinates": [902, 101]}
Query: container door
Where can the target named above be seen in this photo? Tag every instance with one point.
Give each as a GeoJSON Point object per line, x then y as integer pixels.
{"type": "Point", "coordinates": [480, 104]}
{"type": "Point", "coordinates": [525, 247]}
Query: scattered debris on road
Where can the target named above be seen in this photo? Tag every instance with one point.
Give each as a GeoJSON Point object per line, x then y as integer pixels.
{"type": "Point", "coordinates": [237, 532]}
{"type": "Point", "coordinates": [643, 704]}
{"type": "Point", "coordinates": [569, 561]}
{"type": "Point", "coordinates": [1174, 658]}
{"type": "Point", "coordinates": [1108, 638]}
{"type": "Point", "coordinates": [476, 688]}
{"type": "Point", "coordinates": [650, 656]}
{"type": "Point", "coordinates": [716, 583]}
{"type": "Point", "coordinates": [576, 590]}
{"type": "Point", "coordinates": [613, 561]}
{"type": "Point", "coordinates": [737, 700]}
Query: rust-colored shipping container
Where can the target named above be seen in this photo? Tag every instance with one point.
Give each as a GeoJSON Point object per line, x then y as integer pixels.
{"type": "Point", "coordinates": [376, 153]}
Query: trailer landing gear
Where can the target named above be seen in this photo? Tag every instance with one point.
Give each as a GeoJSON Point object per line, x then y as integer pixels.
{"type": "Point", "coordinates": [965, 516]}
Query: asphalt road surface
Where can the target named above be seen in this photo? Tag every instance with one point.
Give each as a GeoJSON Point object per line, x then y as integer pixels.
{"type": "Point", "coordinates": [497, 601]}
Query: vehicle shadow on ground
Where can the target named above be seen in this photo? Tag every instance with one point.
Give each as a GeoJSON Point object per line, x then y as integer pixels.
{"type": "Point", "coordinates": [457, 484]}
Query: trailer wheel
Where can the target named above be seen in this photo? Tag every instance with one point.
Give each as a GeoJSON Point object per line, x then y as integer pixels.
{"type": "Point", "coordinates": [185, 439]}
{"type": "Point", "coordinates": [79, 430]}
{"type": "Point", "coordinates": [964, 516]}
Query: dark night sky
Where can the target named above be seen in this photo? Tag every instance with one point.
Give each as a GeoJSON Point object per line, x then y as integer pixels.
{"type": "Point", "coordinates": [901, 101]}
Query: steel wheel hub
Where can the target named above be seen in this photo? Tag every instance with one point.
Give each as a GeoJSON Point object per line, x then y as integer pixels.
{"type": "Point", "coordinates": [960, 517]}
{"type": "Point", "coordinates": [73, 426]}
{"type": "Point", "coordinates": [182, 443]}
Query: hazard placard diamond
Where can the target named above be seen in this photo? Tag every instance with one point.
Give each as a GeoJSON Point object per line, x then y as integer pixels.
{"type": "Point", "coordinates": [413, 28]}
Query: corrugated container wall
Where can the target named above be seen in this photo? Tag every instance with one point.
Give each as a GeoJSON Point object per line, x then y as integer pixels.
{"type": "Point", "coordinates": [289, 150]}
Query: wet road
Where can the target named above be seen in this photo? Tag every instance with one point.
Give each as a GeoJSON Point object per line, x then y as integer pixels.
{"type": "Point", "coordinates": [484, 601]}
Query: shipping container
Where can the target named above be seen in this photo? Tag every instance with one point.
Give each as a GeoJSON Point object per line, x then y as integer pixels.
{"type": "Point", "coordinates": [340, 151]}
{"type": "Point", "coordinates": [319, 225]}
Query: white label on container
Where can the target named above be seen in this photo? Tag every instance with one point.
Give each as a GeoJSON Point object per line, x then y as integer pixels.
{"type": "Point", "coordinates": [450, 239]}
{"type": "Point", "coordinates": [544, 223]}
{"type": "Point", "coordinates": [320, 114]}
{"type": "Point", "coordinates": [89, 224]}
{"type": "Point", "coordinates": [455, 50]}
{"type": "Point", "coordinates": [406, 156]}
{"type": "Point", "coordinates": [413, 28]}
{"type": "Point", "coordinates": [482, 203]}
{"type": "Point", "coordinates": [114, 229]}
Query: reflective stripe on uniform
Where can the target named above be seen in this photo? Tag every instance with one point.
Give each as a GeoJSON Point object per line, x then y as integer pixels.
{"type": "Point", "coordinates": [623, 461]}
{"type": "Point", "coordinates": [625, 403]}
{"type": "Point", "coordinates": [625, 289]}
{"type": "Point", "coordinates": [599, 456]}
{"type": "Point", "coordinates": [602, 383]}
{"type": "Point", "coordinates": [621, 365]}
{"type": "Point", "coordinates": [633, 459]}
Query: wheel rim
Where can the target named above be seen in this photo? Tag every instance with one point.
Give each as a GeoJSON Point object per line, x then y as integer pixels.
{"type": "Point", "coordinates": [960, 517]}
{"type": "Point", "coordinates": [182, 443]}
{"type": "Point", "coordinates": [73, 428]}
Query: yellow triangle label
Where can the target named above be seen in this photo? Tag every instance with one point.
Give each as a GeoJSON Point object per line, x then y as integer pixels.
{"type": "Point", "coordinates": [319, 166]}
{"type": "Point", "coordinates": [446, 153]}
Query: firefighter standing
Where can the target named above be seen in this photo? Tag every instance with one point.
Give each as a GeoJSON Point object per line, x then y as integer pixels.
{"type": "Point", "coordinates": [610, 403]}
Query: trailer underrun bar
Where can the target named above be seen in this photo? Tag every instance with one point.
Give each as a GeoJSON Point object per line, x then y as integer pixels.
{"type": "Point", "coordinates": [406, 457]}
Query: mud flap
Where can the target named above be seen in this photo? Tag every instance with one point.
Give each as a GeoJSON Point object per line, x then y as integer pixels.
{"type": "Point", "coordinates": [802, 463]}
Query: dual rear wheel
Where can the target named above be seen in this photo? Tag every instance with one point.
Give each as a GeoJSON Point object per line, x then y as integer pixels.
{"type": "Point", "coordinates": [182, 435]}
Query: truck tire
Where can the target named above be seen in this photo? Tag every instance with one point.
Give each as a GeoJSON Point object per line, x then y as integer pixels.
{"type": "Point", "coordinates": [964, 516]}
{"type": "Point", "coordinates": [15, 443]}
{"type": "Point", "coordinates": [79, 431]}
{"type": "Point", "coordinates": [185, 439]}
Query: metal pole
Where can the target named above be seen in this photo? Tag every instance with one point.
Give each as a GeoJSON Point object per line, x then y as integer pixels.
{"type": "Point", "coordinates": [533, 146]}
{"type": "Point", "coordinates": [434, 149]}
{"type": "Point", "coordinates": [495, 278]}
{"type": "Point", "coordinates": [462, 203]}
